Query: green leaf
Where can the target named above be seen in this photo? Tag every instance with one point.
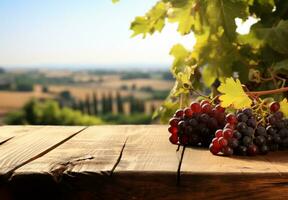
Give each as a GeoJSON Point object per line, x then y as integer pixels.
{"type": "Point", "coordinates": [115, 1]}
{"type": "Point", "coordinates": [276, 37]}
{"type": "Point", "coordinates": [180, 54]}
{"type": "Point", "coordinates": [223, 13]}
{"type": "Point", "coordinates": [209, 75]}
{"type": "Point", "coordinates": [280, 66]}
{"type": "Point", "coordinates": [153, 21]}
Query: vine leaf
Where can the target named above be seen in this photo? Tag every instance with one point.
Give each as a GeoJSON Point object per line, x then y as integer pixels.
{"type": "Point", "coordinates": [153, 21]}
{"type": "Point", "coordinates": [233, 94]}
{"type": "Point", "coordinates": [284, 107]}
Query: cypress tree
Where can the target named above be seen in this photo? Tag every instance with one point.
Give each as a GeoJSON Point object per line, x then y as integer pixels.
{"type": "Point", "coordinates": [87, 105]}
{"type": "Point", "coordinates": [109, 103]}
{"type": "Point", "coordinates": [119, 102]}
{"type": "Point", "coordinates": [95, 104]}
{"type": "Point", "coordinates": [104, 104]}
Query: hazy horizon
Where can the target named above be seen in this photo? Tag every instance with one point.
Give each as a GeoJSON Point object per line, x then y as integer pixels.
{"type": "Point", "coordinates": [87, 33]}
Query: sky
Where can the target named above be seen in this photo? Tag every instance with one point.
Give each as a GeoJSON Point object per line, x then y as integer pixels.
{"type": "Point", "coordinates": [80, 32]}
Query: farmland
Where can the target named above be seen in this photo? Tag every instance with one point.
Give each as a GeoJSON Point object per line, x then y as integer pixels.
{"type": "Point", "coordinates": [151, 88]}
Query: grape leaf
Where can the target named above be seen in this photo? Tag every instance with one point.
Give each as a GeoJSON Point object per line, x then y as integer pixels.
{"type": "Point", "coordinates": [284, 107]}
{"type": "Point", "coordinates": [153, 21]}
{"type": "Point", "coordinates": [233, 94]}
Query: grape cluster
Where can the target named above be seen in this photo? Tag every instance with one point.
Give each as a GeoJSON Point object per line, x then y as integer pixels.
{"type": "Point", "coordinates": [196, 124]}
{"type": "Point", "coordinates": [245, 134]}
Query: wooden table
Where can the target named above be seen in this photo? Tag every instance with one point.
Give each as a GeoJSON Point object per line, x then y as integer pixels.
{"type": "Point", "coordinates": [128, 162]}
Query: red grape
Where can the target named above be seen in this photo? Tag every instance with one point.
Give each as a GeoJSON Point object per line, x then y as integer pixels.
{"type": "Point", "coordinates": [173, 130]}
{"type": "Point", "coordinates": [274, 106]}
{"type": "Point", "coordinates": [174, 121]}
{"type": "Point", "coordinates": [195, 107]}
{"type": "Point", "coordinates": [219, 133]}
{"type": "Point", "coordinates": [214, 150]}
{"type": "Point", "coordinates": [220, 109]}
{"type": "Point", "coordinates": [204, 102]}
{"type": "Point", "coordinates": [222, 141]}
{"type": "Point", "coordinates": [206, 108]}
{"type": "Point", "coordinates": [216, 143]}
{"type": "Point", "coordinates": [227, 133]}
{"type": "Point", "coordinates": [188, 112]}
{"type": "Point", "coordinates": [231, 118]}
{"type": "Point", "coordinates": [227, 151]}
{"type": "Point", "coordinates": [179, 113]}
{"type": "Point", "coordinates": [173, 139]}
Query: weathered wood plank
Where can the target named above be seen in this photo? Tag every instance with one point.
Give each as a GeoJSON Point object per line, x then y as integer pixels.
{"type": "Point", "coordinates": [218, 177]}
{"type": "Point", "coordinates": [202, 161]}
{"type": "Point", "coordinates": [95, 150]}
{"type": "Point", "coordinates": [149, 150]}
{"type": "Point", "coordinates": [85, 165]}
{"type": "Point", "coordinates": [8, 132]}
{"type": "Point", "coordinates": [26, 147]}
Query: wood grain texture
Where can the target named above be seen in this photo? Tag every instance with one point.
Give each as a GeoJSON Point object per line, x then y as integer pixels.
{"type": "Point", "coordinates": [149, 150]}
{"type": "Point", "coordinates": [138, 162]}
{"type": "Point", "coordinates": [202, 161]}
{"type": "Point", "coordinates": [95, 150]}
{"type": "Point", "coordinates": [31, 145]}
{"type": "Point", "coordinates": [8, 132]}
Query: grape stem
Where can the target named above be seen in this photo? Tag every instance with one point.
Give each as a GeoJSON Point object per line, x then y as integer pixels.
{"type": "Point", "coordinates": [266, 92]}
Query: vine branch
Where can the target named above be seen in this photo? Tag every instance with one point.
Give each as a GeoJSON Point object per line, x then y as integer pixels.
{"type": "Point", "coordinates": [265, 92]}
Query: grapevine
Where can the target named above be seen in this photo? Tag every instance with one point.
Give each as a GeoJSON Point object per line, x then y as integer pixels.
{"type": "Point", "coordinates": [254, 128]}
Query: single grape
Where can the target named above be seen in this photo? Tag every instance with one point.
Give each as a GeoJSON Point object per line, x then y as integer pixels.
{"type": "Point", "coordinates": [179, 113]}
{"type": "Point", "coordinates": [188, 112]}
{"type": "Point", "coordinates": [278, 115]}
{"type": "Point", "coordinates": [220, 109]}
{"type": "Point", "coordinates": [242, 127]}
{"type": "Point", "coordinates": [252, 150]}
{"type": "Point", "coordinates": [260, 130]}
{"type": "Point", "coordinates": [247, 141]}
{"type": "Point", "coordinates": [204, 102]}
{"type": "Point", "coordinates": [252, 122]}
{"type": "Point", "coordinates": [206, 108]}
{"type": "Point", "coordinates": [233, 143]}
{"type": "Point", "coordinates": [241, 150]}
{"type": "Point", "coordinates": [227, 133]}
{"type": "Point", "coordinates": [173, 139]}
{"type": "Point", "coordinates": [270, 130]}
{"type": "Point", "coordinates": [260, 140]}
{"type": "Point", "coordinates": [248, 112]}
{"type": "Point", "coordinates": [216, 143]}
{"type": "Point", "coordinates": [248, 132]}
{"type": "Point", "coordinates": [181, 124]}
{"type": "Point", "coordinates": [264, 149]}
{"type": "Point", "coordinates": [237, 135]}
{"type": "Point", "coordinates": [219, 133]}
{"type": "Point", "coordinates": [214, 150]}
{"type": "Point", "coordinates": [204, 118]}
{"type": "Point", "coordinates": [193, 122]}
{"type": "Point", "coordinates": [174, 121]}
{"type": "Point", "coordinates": [173, 130]}
{"type": "Point", "coordinates": [195, 107]}
{"type": "Point", "coordinates": [241, 117]}
{"type": "Point", "coordinates": [231, 126]}
{"type": "Point", "coordinates": [222, 141]}
{"type": "Point", "coordinates": [212, 123]}
{"type": "Point", "coordinates": [274, 106]}
{"type": "Point", "coordinates": [227, 151]}
{"type": "Point", "coordinates": [231, 118]}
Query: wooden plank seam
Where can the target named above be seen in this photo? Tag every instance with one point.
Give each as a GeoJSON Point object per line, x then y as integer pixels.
{"type": "Point", "coordinates": [9, 174]}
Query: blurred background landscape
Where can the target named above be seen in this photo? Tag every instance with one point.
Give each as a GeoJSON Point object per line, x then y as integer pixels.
{"type": "Point", "coordinates": [72, 97]}
{"type": "Point", "coordinates": [74, 63]}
